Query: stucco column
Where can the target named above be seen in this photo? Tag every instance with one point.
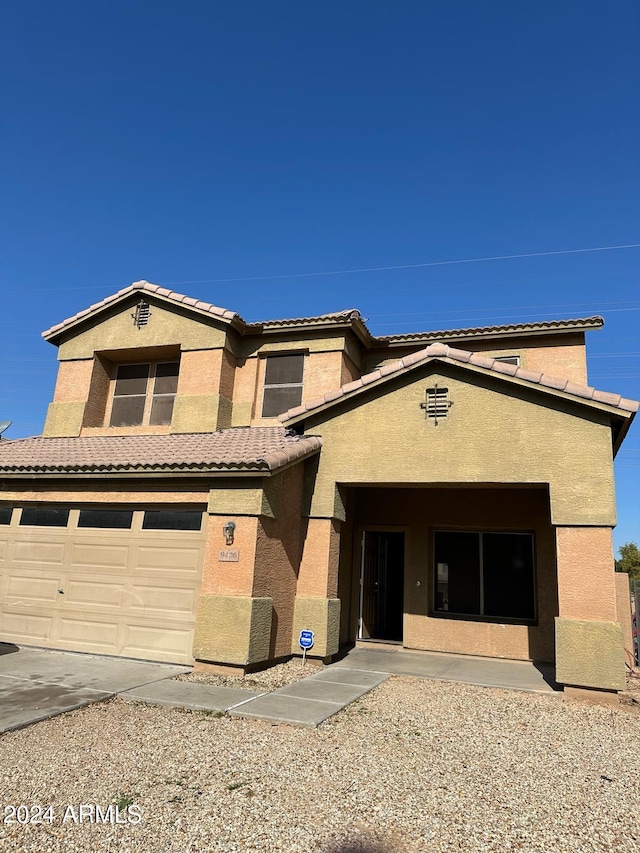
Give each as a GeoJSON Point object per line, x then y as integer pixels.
{"type": "Point", "coordinates": [317, 606]}
{"type": "Point", "coordinates": [233, 626]}
{"type": "Point", "coordinates": [318, 576]}
{"type": "Point", "coordinates": [589, 644]}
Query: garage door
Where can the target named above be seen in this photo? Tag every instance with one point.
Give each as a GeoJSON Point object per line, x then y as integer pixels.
{"type": "Point", "coordinates": [105, 580]}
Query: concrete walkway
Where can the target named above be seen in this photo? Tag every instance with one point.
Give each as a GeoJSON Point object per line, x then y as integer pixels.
{"type": "Point", "coordinates": [307, 702]}
{"type": "Point", "coordinates": [36, 683]}
{"type": "Point", "coordinates": [312, 700]}
{"type": "Point", "coordinates": [466, 669]}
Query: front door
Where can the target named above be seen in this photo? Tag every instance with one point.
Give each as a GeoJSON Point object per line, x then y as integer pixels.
{"type": "Point", "coordinates": [381, 585]}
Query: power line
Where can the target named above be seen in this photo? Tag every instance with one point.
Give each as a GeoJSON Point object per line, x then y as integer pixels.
{"type": "Point", "coordinates": [409, 266]}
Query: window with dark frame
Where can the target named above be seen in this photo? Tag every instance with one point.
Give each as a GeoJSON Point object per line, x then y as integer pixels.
{"type": "Point", "coordinates": [282, 384]}
{"type": "Point", "coordinates": [488, 575]}
{"type": "Point", "coordinates": [508, 359]}
{"type": "Point", "coordinates": [144, 394]}
{"type": "Point", "coordinates": [5, 514]}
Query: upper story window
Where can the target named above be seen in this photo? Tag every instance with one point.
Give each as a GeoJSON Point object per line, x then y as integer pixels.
{"type": "Point", "coordinates": [144, 394]}
{"type": "Point", "coordinates": [509, 359]}
{"type": "Point", "coordinates": [282, 384]}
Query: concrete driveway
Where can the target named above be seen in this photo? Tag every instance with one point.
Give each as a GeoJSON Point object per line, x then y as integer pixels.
{"type": "Point", "coordinates": [38, 683]}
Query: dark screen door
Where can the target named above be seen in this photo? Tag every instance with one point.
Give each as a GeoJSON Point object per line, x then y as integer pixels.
{"type": "Point", "coordinates": [382, 585]}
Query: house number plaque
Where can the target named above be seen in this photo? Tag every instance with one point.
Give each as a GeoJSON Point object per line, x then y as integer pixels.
{"type": "Point", "coordinates": [228, 555]}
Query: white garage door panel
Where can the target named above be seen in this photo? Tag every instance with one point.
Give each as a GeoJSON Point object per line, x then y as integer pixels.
{"type": "Point", "coordinates": [47, 552]}
{"type": "Point", "coordinates": [32, 589]}
{"type": "Point", "coordinates": [126, 592]}
{"type": "Point", "coordinates": [162, 599]}
{"type": "Point", "coordinates": [100, 556]}
{"type": "Point", "coordinates": [143, 641]}
{"type": "Point", "coordinates": [24, 627]}
{"type": "Point", "coordinates": [171, 556]}
{"type": "Point", "coordinates": [89, 632]}
{"type": "Point", "coordinates": [98, 593]}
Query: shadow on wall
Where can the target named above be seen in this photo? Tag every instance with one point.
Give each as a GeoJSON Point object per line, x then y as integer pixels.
{"type": "Point", "coordinates": [8, 648]}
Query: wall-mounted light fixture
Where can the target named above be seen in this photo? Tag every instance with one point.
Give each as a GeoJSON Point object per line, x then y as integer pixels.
{"type": "Point", "coordinates": [229, 530]}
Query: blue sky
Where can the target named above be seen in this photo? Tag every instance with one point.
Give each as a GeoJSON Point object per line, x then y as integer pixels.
{"type": "Point", "coordinates": [226, 148]}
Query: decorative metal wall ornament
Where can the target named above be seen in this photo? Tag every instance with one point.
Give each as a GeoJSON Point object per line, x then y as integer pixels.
{"type": "Point", "coordinates": [141, 314]}
{"type": "Point", "coordinates": [437, 403]}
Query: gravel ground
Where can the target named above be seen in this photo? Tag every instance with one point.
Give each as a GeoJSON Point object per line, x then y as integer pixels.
{"type": "Point", "coordinates": [414, 766]}
{"type": "Point", "coordinates": [267, 679]}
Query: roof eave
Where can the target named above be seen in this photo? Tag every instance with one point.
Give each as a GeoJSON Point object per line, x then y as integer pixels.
{"type": "Point", "coordinates": [503, 333]}
{"type": "Point", "coordinates": [478, 369]}
{"type": "Point", "coordinates": [55, 334]}
{"type": "Point", "coordinates": [354, 324]}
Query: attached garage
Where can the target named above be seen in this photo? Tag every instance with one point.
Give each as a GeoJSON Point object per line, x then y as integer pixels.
{"type": "Point", "coordinates": [107, 580]}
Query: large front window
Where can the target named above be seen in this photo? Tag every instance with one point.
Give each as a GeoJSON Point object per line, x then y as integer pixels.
{"type": "Point", "coordinates": [144, 394]}
{"type": "Point", "coordinates": [487, 575]}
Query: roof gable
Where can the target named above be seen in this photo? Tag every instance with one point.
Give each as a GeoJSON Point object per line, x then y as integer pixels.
{"type": "Point", "coordinates": [439, 352]}
{"type": "Point", "coordinates": [143, 287]}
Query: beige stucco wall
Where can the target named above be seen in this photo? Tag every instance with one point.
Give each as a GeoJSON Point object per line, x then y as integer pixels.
{"type": "Point", "coordinates": [560, 355]}
{"type": "Point", "coordinates": [418, 512]}
{"type": "Point", "coordinates": [589, 636]}
{"type": "Point", "coordinates": [268, 539]}
{"type": "Point", "coordinates": [623, 614]}
{"type": "Point", "coordinates": [114, 330]}
{"type": "Point", "coordinates": [73, 380]}
{"type": "Point", "coordinates": [277, 563]}
{"type": "Point", "coordinates": [106, 492]}
{"type": "Point", "coordinates": [244, 391]}
{"type": "Point", "coordinates": [322, 616]}
{"type": "Point", "coordinates": [230, 578]}
{"type": "Point", "coordinates": [233, 630]}
{"type": "Point", "coordinates": [319, 565]}
{"type": "Point", "coordinates": [586, 578]}
{"type": "Point", "coordinates": [203, 398]}
{"type": "Point", "coordinates": [494, 433]}
{"type": "Point", "coordinates": [590, 654]}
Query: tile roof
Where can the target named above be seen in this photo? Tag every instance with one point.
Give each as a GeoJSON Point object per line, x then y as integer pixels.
{"type": "Point", "coordinates": [144, 287]}
{"type": "Point", "coordinates": [242, 449]}
{"type": "Point", "coordinates": [443, 352]}
{"type": "Point", "coordinates": [595, 322]}
{"type": "Point", "coordinates": [346, 316]}
{"type": "Point", "coordinates": [351, 317]}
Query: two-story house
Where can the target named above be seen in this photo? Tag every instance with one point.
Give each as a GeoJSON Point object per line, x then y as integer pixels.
{"type": "Point", "coordinates": [205, 488]}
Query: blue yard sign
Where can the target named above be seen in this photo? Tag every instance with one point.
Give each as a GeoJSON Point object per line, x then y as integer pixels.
{"type": "Point", "coordinates": [306, 639]}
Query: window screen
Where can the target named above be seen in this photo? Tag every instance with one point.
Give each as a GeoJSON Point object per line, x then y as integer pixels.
{"type": "Point", "coordinates": [282, 384]}
{"type": "Point", "coordinates": [144, 394]}
{"type": "Point", "coordinates": [130, 395]}
{"type": "Point", "coordinates": [164, 393]}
